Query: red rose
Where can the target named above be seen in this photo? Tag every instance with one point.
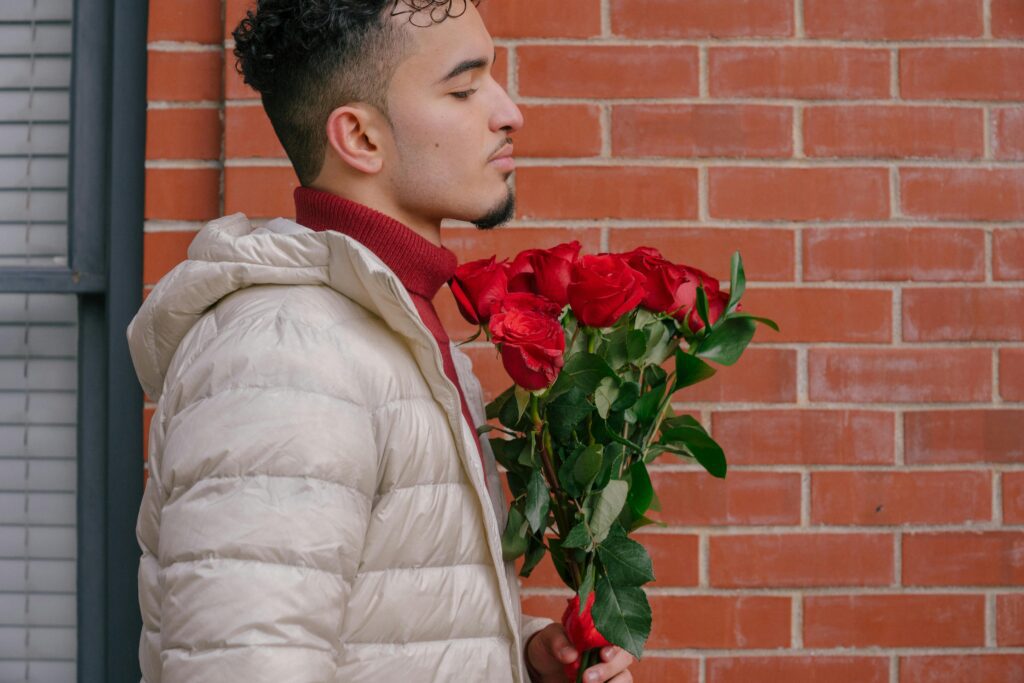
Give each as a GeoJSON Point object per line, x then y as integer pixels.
{"type": "Point", "coordinates": [525, 301]}
{"type": "Point", "coordinates": [603, 288]}
{"type": "Point", "coordinates": [520, 272]}
{"type": "Point", "coordinates": [552, 269]}
{"type": "Point", "coordinates": [581, 631]}
{"type": "Point", "coordinates": [716, 307]}
{"type": "Point", "coordinates": [664, 282]}
{"type": "Point", "coordinates": [531, 345]}
{"type": "Point", "coordinates": [478, 287]}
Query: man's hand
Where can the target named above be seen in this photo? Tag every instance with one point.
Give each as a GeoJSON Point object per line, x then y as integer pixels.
{"type": "Point", "coordinates": [550, 648]}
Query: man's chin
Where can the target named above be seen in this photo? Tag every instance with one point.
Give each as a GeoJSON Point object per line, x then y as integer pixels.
{"type": "Point", "coordinates": [500, 213]}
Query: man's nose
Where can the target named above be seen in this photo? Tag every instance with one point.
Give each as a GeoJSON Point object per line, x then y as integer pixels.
{"type": "Point", "coordinates": [507, 115]}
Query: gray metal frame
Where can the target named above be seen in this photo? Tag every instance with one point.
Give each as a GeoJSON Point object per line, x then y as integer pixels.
{"type": "Point", "coordinates": [106, 193]}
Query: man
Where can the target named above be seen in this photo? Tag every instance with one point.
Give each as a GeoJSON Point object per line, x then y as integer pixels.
{"type": "Point", "coordinates": [319, 506]}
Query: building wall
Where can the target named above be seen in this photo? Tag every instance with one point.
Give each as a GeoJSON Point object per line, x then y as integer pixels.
{"type": "Point", "coordinates": [867, 159]}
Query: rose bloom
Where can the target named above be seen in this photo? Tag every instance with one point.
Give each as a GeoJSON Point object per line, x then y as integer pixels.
{"type": "Point", "coordinates": [603, 288]}
{"type": "Point", "coordinates": [478, 287]}
{"type": "Point", "coordinates": [552, 270]}
{"type": "Point", "coordinates": [525, 301]}
{"type": "Point", "coordinates": [665, 282]}
{"type": "Point", "coordinates": [581, 631]}
{"type": "Point", "coordinates": [531, 345]}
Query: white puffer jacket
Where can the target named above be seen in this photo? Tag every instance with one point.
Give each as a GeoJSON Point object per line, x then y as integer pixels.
{"type": "Point", "coordinates": [316, 508]}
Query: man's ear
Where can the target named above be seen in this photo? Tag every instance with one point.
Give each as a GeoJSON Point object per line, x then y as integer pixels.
{"type": "Point", "coordinates": [354, 132]}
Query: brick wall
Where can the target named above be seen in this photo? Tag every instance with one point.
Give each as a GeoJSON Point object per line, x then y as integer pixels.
{"type": "Point", "coordinates": [867, 159]}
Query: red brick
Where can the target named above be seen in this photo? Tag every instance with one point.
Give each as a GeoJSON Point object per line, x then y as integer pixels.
{"type": "Point", "coordinates": [1007, 19]}
{"type": "Point", "coordinates": [797, 669]}
{"type": "Point", "coordinates": [248, 133]}
{"type": "Point", "coordinates": [963, 314]}
{"type": "Point", "coordinates": [805, 437]}
{"type": "Point", "coordinates": [1013, 497]}
{"type": "Point", "coordinates": [954, 436]}
{"type": "Point", "coordinates": [798, 194]}
{"type": "Point", "coordinates": [900, 498]}
{"type": "Point", "coordinates": [854, 315]}
{"type": "Point", "coordinates": [260, 192]}
{"type": "Point", "coordinates": [701, 18]}
{"type": "Point", "coordinates": [1008, 254]}
{"type": "Point", "coordinates": [564, 130]}
{"type": "Point", "coordinates": [893, 254]}
{"type": "Point", "coordinates": [191, 194]}
{"type": "Point", "coordinates": [900, 375]}
{"type": "Point", "coordinates": [800, 560]}
{"type": "Point", "coordinates": [742, 498]}
{"type": "Point", "coordinates": [163, 251]}
{"type": "Point", "coordinates": [194, 21]}
{"type": "Point", "coordinates": [607, 71]}
{"type": "Point", "coordinates": [994, 668]}
{"type": "Point", "coordinates": [702, 130]}
{"type": "Point", "coordinates": [607, 192]}
{"type": "Point", "coordinates": [991, 558]}
{"type": "Point", "coordinates": [542, 18]}
{"type": "Point", "coordinates": [183, 134]}
{"type": "Point", "coordinates": [767, 253]}
{"type": "Point", "coordinates": [893, 132]}
{"type": "Point", "coordinates": [760, 376]}
{"type": "Point", "coordinates": [1011, 374]}
{"type": "Point", "coordinates": [1008, 133]}
{"type": "Point", "coordinates": [894, 620]}
{"type": "Point", "coordinates": [470, 244]}
{"type": "Point", "coordinates": [887, 20]}
{"type": "Point", "coordinates": [800, 72]}
{"type": "Point", "coordinates": [701, 621]}
{"type": "Point", "coordinates": [184, 76]}
{"type": "Point", "coordinates": [963, 193]}
{"type": "Point", "coordinates": [962, 73]}
{"type": "Point", "coordinates": [675, 669]}
{"type": "Point", "coordinates": [1010, 621]}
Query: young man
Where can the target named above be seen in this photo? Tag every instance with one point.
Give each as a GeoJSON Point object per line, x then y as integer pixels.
{"type": "Point", "coordinates": [319, 506]}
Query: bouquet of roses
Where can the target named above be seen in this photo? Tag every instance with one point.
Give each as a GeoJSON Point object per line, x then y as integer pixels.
{"type": "Point", "coordinates": [586, 339]}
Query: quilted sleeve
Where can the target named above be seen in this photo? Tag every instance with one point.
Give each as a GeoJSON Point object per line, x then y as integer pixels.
{"type": "Point", "coordinates": [269, 481]}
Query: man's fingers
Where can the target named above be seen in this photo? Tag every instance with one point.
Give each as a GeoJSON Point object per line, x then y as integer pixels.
{"type": "Point", "coordinates": [560, 647]}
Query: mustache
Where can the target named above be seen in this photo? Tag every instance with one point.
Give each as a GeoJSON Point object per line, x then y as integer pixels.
{"type": "Point", "coordinates": [506, 141]}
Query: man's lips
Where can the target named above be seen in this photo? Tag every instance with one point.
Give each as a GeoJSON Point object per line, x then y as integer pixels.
{"type": "Point", "coordinates": [503, 159]}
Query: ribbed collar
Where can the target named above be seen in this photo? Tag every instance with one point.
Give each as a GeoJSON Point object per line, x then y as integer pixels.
{"type": "Point", "coordinates": [421, 265]}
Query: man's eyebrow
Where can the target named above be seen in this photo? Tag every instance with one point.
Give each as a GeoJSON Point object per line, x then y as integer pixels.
{"type": "Point", "coordinates": [467, 65]}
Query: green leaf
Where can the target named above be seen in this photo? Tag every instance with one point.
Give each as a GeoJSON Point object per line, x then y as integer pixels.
{"type": "Point", "coordinates": [625, 560]}
{"type": "Point", "coordinates": [506, 451]}
{"type": "Point", "coordinates": [578, 537]}
{"type": "Point", "coordinates": [567, 411]}
{"type": "Point", "coordinates": [605, 394]}
{"type": "Point", "coordinates": [726, 343]}
{"type": "Point", "coordinates": [558, 559]}
{"type": "Point", "coordinates": [737, 282]}
{"type": "Point", "coordinates": [660, 343]}
{"type": "Point", "coordinates": [628, 393]}
{"type": "Point", "coordinates": [643, 521]}
{"type": "Point", "coordinates": [690, 370]}
{"type": "Point", "coordinates": [493, 408]}
{"type": "Point", "coordinates": [522, 400]}
{"type": "Point", "coordinates": [702, 305]}
{"type": "Point", "coordinates": [622, 615]}
{"type": "Point", "coordinates": [586, 585]}
{"type": "Point", "coordinates": [655, 376]}
{"type": "Point", "coordinates": [641, 492]}
{"type": "Point", "coordinates": [534, 555]}
{"type": "Point", "coordinates": [538, 499]}
{"type": "Point", "coordinates": [607, 504]}
{"type": "Point", "coordinates": [646, 408]}
{"type": "Point", "coordinates": [690, 435]}
{"type": "Point", "coordinates": [767, 321]}
{"type": "Point", "coordinates": [586, 370]}
{"type": "Point", "coordinates": [636, 344]}
{"type": "Point", "coordinates": [513, 539]}
{"type": "Point", "coordinates": [587, 466]}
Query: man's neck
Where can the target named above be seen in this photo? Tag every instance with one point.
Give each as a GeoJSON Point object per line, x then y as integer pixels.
{"type": "Point", "coordinates": [426, 228]}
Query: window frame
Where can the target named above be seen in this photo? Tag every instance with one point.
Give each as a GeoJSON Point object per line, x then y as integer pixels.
{"type": "Point", "coordinates": [106, 187]}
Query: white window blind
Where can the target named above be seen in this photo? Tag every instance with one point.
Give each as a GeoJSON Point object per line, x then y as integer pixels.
{"type": "Point", "coordinates": [38, 342]}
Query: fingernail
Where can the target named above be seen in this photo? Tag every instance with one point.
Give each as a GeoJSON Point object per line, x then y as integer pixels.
{"type": "Point", "coordinates": [568, 654]}
{"type": "Point", "coordinates": [610, 652]}
{"type": "Point", "coordinates": [591, 676]}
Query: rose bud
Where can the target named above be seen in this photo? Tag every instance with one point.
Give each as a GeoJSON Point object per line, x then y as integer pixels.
{"type": "Point", "coordinates": [603, 288]}
{"type": "Point", "coordinates": [552, 269]}
{"type": "Point", "coordinates": [478, 287]}
{"type": "Point", "coordinates": [525, 301]}
{"type": "Point", "coordinates": [581, 631]}
{"type": "Point", "coordinates": [531, 346]}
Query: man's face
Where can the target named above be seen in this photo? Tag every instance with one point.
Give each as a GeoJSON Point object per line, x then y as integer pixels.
{"type": "Point", "coordinates": [450, 120]}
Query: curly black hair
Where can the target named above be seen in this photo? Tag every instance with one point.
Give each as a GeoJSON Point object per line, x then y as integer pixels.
{"type": "Point", "coordinates": [309, 57]}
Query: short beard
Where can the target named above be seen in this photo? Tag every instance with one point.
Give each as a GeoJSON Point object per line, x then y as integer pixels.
{"type": "Point", "coordinates": [501, 213]}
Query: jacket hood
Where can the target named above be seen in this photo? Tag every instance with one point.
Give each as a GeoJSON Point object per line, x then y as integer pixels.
{"type": "Point", "coordinates": [228, 254]}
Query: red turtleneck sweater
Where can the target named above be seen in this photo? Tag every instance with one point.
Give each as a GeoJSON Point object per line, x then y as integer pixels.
{"type": "Point", "coordinates": [421, 266]}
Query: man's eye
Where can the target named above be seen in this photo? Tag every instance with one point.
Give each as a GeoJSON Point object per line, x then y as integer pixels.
{"type": "Point", "coordinates": [463, 94]}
